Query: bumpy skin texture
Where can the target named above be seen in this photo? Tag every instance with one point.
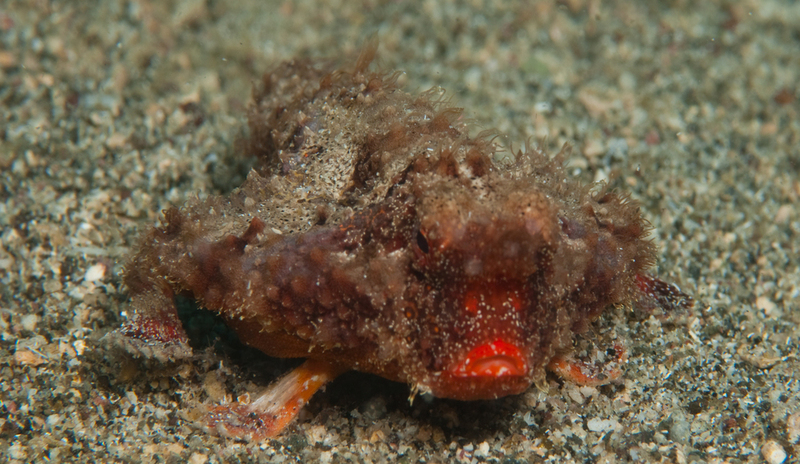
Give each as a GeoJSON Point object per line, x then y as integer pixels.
{"type": "Point", "coordinates": [376, 235]}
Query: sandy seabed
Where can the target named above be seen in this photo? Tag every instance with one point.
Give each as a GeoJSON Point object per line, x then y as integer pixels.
{"type": "Point", "coordinates": [113, 111]}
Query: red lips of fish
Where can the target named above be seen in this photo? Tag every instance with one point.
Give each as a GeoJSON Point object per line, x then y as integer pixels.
{"type": "Point", "coordinates": [495, 359]}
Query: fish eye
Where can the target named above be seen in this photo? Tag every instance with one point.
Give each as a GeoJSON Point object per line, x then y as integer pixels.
{"type": "Point", "coordinates": [422, 242]}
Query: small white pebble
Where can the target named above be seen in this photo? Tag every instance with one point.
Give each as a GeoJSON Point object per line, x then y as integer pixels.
{"type": "Point", "coordinates": [116, 140]}
{"type": "Point", "coordinates": [79, 346]}
{"type": "Point", "coordinates": [17, 451]}
{"type": "Point", "coordinates": [773, 452]}
{"type": "Point", "coordinates": [543, 107]}
{"type": "Point", "coordinates": [767, 305]}
{"type": "Point", "coordinates": [198, 458]}
{"type": "Point", "coordinates": [601, 425]}
{"type": "Point", "coordinates": [316, 434]}
{"type": "Point", "coordinates": [482, 451]}
{"type": "Point", "coordinates": [783, 214]}
{"type": "Point", "coordinates": [53, 420]}
{"type": "Point", "coordinates": [29, 322]}
{"type": "Point", "coordinates": [576, 395]}
{"type": "Point", "coordinates": [472, 78]}
{"type": "Point", "coordinates": [528, 419]}
{"type": "Point", "coordinates": [793, 427]}
{"type": "Point", "coordinates": [325, 457]}
{"type": "Point", "coordinates": [588, 392]}
{"type": "Point", "coordinates": [95, 273]}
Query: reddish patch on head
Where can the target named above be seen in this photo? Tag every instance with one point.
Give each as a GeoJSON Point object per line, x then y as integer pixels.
{"type": "Point", "coordinates": [496, 359]}
{"type": "Point", "coordinates": [471, 303]}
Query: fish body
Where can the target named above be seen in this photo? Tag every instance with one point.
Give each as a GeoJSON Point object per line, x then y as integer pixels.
{"type": "Point", "coordinates": [375, 234]}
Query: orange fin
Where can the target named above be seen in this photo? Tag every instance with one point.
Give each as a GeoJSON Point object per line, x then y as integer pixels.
{"type": "Point", "coordinates": [275, 407]}
{"type": "Point", "coordinates": [583, 373]}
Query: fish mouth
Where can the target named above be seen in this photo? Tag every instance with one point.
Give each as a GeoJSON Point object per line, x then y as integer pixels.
{"type": "Point", "coordinates": [493, 360]}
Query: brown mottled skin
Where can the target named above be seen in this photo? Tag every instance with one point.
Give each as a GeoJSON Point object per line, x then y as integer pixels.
{"type": "Point", "coordinates": [375, 234]}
